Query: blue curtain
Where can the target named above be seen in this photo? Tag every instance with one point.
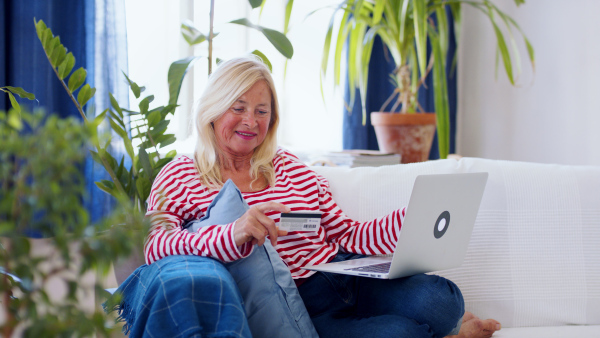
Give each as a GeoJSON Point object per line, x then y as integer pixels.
{"type": "Point", "coordinates": [359, 136]}
{"type": "Point", "coordinates": [94, 30]}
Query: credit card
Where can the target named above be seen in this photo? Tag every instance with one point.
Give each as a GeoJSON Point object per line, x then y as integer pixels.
{"type": "Point", "coordinates": [296, 221]}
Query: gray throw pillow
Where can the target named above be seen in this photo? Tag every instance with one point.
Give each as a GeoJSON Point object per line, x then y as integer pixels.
{"type": "Point", "coordinates": [273, 305]}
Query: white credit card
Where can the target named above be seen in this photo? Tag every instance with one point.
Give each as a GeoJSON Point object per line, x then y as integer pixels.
{"type": "Point", "coordinates": [297, 221]}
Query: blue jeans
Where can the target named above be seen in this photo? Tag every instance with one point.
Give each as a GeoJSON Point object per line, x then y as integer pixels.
{"type": "Point", "coordinates": [350, 306]}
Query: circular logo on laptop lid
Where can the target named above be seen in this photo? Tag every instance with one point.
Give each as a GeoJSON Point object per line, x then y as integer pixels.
{"type": "Point", "coordinates": [441, 225]}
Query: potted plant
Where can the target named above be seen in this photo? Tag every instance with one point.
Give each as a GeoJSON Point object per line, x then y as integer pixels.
{"type": "Point", "coordinates": [405, 28]}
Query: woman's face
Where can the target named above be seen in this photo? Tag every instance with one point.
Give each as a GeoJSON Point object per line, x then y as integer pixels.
{"type": "Point", "coordinates": [244, 125]}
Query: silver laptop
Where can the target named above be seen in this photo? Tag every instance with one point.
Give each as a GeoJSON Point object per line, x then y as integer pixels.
{"type": "Point", "coordinates": [435, 235]}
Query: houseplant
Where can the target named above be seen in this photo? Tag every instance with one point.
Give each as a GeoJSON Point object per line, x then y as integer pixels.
{"type": "Point", "coordinates": [405, 28]}
{"type": "Point", "coordinates": [70, 237]}
{"type": "Point", "coordinates": [194, 36]}
{"type": "Point", "coordinates": [44, 281]}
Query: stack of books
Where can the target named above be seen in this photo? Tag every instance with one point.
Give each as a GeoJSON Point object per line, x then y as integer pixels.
{"type": "Point", "coordinates": [357, 158]}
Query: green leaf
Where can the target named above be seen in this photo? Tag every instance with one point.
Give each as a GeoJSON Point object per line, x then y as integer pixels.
{"type": "Point", "coordinates": [134, 87]}
{"type": "Point", "coordinates": [170, 139]}
{"type": "Point", "coordinates": [55, 42]}
{"type": "Point", "coordinates": [378, 11]}
{"type": "Point", "coordinates": [288, 14]}
{"type": "Point", "coordinates": [161, 163]}
{"type": "Point", "coordinates": [96, 157]}
{"type": "Point", "coordinates": [40, 28]}
{"type": "Point", "coordinates": [121, 169]}
{"type": "Point", "coordinates": [171, 153]}
{"type": "Point", "coordinates": [21, 92]}
{"type": "Point", "coordinates": [443, 30]}
{"type": "Point", "coordinates": [117, 119]}
{"type": "Point", "coordinates": [530, 51]}
{"type": "Point", "coordinates": [161, 127]}
{"type": "Point", "coordinates": [77, 79]}
{"type": "Point", "coordinates": [503, 50]}
{"type": "Point", "coordinates": [13, 118]}
{"type": "Point", "coordinates": [117, 128]}
{"type": "Point", "coordinates": [512, 40]}
{"type": "Point", "coordinates": [14, 103]}
{"type": "Point", "coordinates": [58, 56]}
{"type": "Point", "coordinates": [145, 104]}
{"type": "Point", "coordinates": [403, 17]}
{"type": "Point", "coordinates": [262, 7]}
{"type": "Point", "coordinates": [175, 77]}
{"type": "Point", "coordinates": [153, 118]}
{"type": "Point", "coordinates": [342, 35]}
{"type": "Point", "coordinates": [277, 39]}
{"type": "Point", "coordinates": [107, 186]}
{"type": "Point", "coordinates": [145, 162]}
{"type": "Point", "coordinates": [191, 34]}
{"type": "Point", "coordinates": [255, 3]}
{"type": "Point", "coordinates": [168, 109]}
{"type": "Point", "coordinates": [264, 58]}
{"type": "Point", "coordinates": [64, 69]}
{"type": "Point", "coordinates": [98, 119]}
{"type": "Point", "coordinates": [85, 94]}
{"type": "Point", "coordinates": [420, 22]}
{"type": "Point", "coordinates": [325, 54]}
{"type": "Point", "coordinates": [115, 105]}
{"type": "Point", "coordinates": [440, 97]}
{"type": "Point", "coordinates": [123, 134]}
{"type": "Point", "coordinates": [46, 39]}
{"type": "Point", "coordinates": [143, 186]}
{"type": "Point", "coordinates": [157, 133]}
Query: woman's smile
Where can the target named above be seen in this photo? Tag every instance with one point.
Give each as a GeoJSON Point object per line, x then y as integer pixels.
{"type": "Point", "coordinates": [246, 135]}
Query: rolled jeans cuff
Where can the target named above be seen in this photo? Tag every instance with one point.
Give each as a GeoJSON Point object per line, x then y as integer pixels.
{"type": "Point", "coordinates": [456, 329]}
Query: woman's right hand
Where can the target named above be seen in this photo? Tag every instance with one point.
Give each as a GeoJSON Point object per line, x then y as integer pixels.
{"type": "Point", "coordinates": [254, 225]}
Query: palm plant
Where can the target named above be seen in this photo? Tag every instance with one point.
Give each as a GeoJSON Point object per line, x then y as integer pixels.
{"type": "Point", "coordinates": [405, 27]}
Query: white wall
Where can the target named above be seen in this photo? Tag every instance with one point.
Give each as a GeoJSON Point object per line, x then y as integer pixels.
{"type": "Point", "coordinates": [552, 116]}
{"type": "Point", "coordinates": [307, 123]}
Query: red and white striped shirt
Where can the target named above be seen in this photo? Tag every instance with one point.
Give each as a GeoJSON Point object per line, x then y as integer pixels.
{"type": "Point", "coordinates": [178, 197]}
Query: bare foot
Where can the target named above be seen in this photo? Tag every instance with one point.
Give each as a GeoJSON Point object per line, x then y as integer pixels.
{"type": "Point", "coordinates": [473, 327]}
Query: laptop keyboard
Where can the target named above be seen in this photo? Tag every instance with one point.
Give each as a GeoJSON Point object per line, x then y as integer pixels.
{"type": "Point", "coordinates": [381, 268]}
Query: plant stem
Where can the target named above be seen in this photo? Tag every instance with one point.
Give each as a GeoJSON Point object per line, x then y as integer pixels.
{"type": "Point", "coordinates": [210, 35]}
{"type": "Point", "coordinates": [389, 99]}
{"type": "Point", "coordinates": [153, 143]}
{"type": "Point", "coordinates": [67, 89]}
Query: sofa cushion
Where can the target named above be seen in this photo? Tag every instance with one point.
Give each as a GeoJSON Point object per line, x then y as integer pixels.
{"type": "Point", "coordinates": [533, 258]}
{"type": "Point", "coordinates": [272, 303]}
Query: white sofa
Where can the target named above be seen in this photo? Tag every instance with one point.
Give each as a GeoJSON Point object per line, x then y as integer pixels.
{"type": "Point", "coordinates": [533, 262]}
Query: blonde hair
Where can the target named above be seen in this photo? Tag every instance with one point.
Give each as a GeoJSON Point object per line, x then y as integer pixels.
{"type": "Point", "coordinates": [231, 80]}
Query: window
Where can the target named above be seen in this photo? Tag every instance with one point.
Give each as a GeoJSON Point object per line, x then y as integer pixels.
{"type": "Point", "coordinates": [154, 41]}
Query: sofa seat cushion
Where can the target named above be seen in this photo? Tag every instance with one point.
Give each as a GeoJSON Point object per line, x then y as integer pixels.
{"type": "Point", "coordinates": [579, 331]}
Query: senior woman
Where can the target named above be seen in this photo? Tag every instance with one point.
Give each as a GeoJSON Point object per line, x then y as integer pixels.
{"type": "Point", "coordinates": [237, 121]}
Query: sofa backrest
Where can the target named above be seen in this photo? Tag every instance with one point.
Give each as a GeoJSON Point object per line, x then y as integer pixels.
{"type": "Point", "coordinates": [534, 255]}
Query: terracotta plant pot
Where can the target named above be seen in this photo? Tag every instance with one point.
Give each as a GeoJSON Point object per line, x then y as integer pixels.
{"type": "Point", "coordinates": [409, 135]}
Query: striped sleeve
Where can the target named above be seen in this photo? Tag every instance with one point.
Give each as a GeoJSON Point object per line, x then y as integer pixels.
{"type": "Point", "coordinates": [169, 207]}
{"type": "Point", "coordinates": [375, 237]}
